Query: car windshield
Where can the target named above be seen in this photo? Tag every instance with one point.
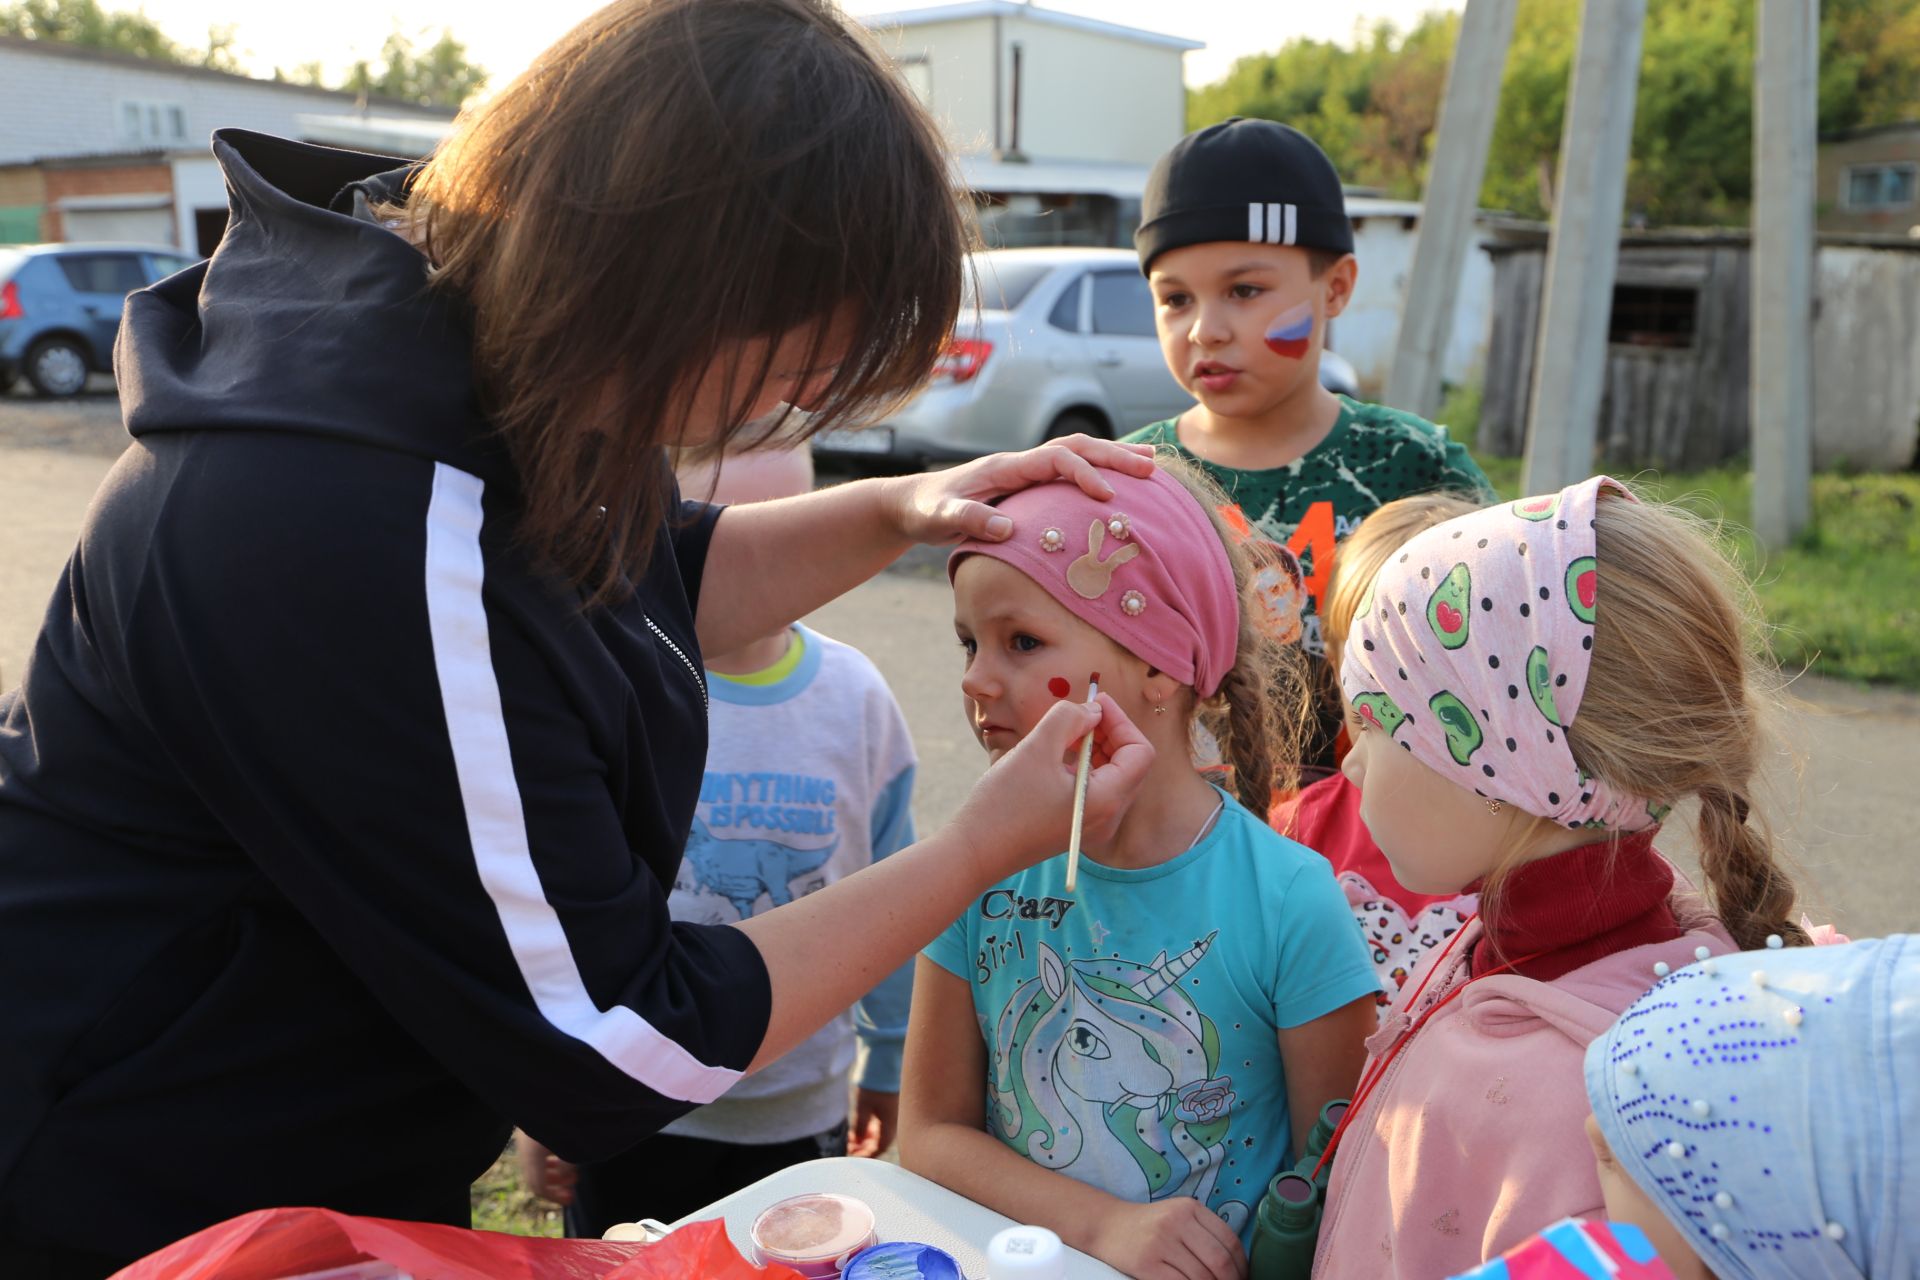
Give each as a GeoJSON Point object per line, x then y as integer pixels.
{"type": "Point", "coordinates": [1004, 283]}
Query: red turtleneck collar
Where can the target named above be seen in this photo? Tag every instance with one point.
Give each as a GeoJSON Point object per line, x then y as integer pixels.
{"type": "Point", "coordinates": [1579, 906]}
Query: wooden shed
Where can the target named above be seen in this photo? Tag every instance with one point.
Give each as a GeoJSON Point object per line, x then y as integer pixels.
{"type": "Point", "coordinates": [1677, 351]}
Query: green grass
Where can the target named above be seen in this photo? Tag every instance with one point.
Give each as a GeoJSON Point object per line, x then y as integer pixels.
{"type": "Point", "coordinates": [1844, 599]}
{"type": "Point", "coordinates": [499, 1204]}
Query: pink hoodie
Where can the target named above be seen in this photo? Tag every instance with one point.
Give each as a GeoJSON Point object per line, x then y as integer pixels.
{"type": "Point", "coordinates": [1474, 1139]}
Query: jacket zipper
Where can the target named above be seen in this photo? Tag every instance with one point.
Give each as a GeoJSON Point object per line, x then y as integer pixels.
{"type": "Point", "coordinates": [698, 681]}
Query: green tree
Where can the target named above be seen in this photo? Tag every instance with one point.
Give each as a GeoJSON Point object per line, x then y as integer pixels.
{"type": "Point", "coordinates": [311, 74]}
{"type": "Point", "coordinates": [438, 76]}
{"type": "Point", "coordinates": [1373, 103]}
{"type": "Point", "coordinates": [1692, 156]}
{"type": "Point", "coordinates": [1869, 62]}
{"type": "Point", "coordinates": [221, 54]}
{"type": "Point", "coordinates": [1533, 104]}
{"type": "Point", "coordinates": [85, 23]}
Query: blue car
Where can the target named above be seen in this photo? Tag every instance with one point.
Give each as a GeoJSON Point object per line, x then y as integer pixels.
{"type": "Point", "coordinates": [60, 308]}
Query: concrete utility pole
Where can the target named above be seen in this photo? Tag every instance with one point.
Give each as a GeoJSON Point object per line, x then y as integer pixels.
{"type": "Point", "coordinates": [1458, 165]}
{"type": "Point", "coordinates": [1570, 362]}
{"type": "Point", "coordinates": [1785, 120]}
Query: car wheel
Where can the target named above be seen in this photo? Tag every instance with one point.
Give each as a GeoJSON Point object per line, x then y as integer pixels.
{"type": "Point", "coordinates": [57, 367]}
{"type": "Point", "coordinates": [1073, 423]}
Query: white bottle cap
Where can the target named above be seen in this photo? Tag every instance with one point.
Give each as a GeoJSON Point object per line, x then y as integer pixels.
{"type": "Point", "coordinates": [1026, 1253]}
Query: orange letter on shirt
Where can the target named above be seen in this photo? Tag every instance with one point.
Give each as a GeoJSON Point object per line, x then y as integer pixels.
{"type": "Point", "coordinates": [1313, 543]}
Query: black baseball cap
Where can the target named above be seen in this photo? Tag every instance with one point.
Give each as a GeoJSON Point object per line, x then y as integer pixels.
{"type": "Point", "coordinates": [1256, 181]}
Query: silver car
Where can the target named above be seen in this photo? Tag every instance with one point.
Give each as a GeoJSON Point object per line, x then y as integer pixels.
{"type": "Point", "coordinates": [1062, 341]}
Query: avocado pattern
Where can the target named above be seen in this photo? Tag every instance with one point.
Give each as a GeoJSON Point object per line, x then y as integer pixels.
{"type": "Point", "coordinates": [1540, 685]}
{"type": "Point", "coordinates": [1463, 731]}
{"type": "Point", "coordinates": [1380, 711]}
{"type": "Point", "coordinates": [1450, 607]}
{"type": "Point", "coordinates": [1485, 586]}
{"type": "Point", "coordinates": [1583, 585]}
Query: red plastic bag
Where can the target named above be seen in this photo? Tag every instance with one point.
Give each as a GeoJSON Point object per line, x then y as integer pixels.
{"type": "Point", "coordinates": [274, 1244]}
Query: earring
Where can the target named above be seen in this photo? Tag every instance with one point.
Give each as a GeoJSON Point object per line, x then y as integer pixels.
{"type": "Point", "coordinates": [1495, 806]}
{"type": "Point", "coordinates": [1159, 708]}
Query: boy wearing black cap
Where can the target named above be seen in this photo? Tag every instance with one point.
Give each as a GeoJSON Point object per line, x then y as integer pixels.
{"type": "Point", "coordinates": [1245, 241]}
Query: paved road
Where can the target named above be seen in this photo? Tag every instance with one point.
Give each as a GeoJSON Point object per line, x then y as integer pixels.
{"type": "Point", "coordinates": [1852, 813]}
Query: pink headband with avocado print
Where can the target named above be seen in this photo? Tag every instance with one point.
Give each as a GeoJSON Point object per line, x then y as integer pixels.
{"type": "Point", "coordinates": [1144, 568]}
{"type": "Point", "coordinates": [1471, 650]}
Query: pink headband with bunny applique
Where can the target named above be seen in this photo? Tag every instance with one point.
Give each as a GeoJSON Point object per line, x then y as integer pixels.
{"type": "Point", "coordinates": [1145, 568]}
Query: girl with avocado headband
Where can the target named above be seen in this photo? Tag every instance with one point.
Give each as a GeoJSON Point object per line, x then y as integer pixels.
{"type": "Point", "coordinates": [1530, 689]}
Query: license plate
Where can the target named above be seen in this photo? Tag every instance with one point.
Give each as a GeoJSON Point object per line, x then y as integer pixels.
{"type": "Point", "coordinates": [872, 440]}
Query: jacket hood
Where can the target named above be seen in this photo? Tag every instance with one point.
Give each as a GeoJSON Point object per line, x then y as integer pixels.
{"type": "Point", "coordinates": [310, 317]}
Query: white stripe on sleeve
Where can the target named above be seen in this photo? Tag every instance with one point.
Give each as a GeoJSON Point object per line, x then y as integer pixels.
{"type": "Point", "coordinates": [496, 824]}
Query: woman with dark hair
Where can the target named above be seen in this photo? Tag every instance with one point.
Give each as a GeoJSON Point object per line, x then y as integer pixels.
{"type": "Point", "coordinates": [349, 774]}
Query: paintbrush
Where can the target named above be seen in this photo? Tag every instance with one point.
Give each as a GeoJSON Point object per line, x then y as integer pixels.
{"type": "Point", "coordinates": [1080, 789]}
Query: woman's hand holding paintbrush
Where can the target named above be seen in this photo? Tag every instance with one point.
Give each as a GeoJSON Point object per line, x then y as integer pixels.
{"type": "Point", "coordinates": [1022, 810]}
{"type": "Point", "coordinates": [1082, 773]}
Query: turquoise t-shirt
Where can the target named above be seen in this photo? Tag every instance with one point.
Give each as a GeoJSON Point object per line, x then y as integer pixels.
{"type": "Point", "coordinates": [1132, 1029]}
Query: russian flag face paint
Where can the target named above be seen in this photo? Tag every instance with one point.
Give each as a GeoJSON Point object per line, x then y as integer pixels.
{"type": "Point", "coordinates": [1290, 332]}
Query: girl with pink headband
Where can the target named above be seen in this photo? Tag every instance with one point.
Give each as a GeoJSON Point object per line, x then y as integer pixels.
{"type": "Point", "coordinates": [1131, 1063]}
{"type": "Point", "coordinates": [1531, 688]}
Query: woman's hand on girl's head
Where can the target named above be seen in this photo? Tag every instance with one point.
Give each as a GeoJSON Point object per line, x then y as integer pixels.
{"type": "Point", "coordinates": [1020, 812]}
{"type": "Point", "coordinates": [1178, 1239]}
{"type": "Point", "coordinates": [949, 506]}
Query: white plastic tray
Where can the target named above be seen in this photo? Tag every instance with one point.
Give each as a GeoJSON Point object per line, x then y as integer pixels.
{"type": "Point", "coordinates": [905, 1207]}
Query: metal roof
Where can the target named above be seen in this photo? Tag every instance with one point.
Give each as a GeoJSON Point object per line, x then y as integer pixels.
{"type": "Point", "coordinates": [1032, 13]}
{"type": "Point", "coordinates": [1060, 177]}
{"type": "Point", "coordinates": [79, 53]}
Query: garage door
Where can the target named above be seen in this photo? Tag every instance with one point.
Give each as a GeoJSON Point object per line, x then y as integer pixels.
{"type": "Point", "coordinates": [140, 226]}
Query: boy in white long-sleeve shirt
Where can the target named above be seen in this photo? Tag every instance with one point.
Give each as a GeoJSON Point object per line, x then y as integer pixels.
{"type": "Point", "coordinates": [809, 778]}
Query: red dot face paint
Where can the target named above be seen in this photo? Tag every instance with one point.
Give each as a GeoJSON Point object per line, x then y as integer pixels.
{"type": "Point", "coordinates": [1291, 332]}
{"type": "Point", "coordinates": [1059, 687]}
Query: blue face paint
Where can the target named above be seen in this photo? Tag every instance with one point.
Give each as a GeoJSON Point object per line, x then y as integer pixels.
{"type": "Point", "coordinates": [1291, 332]}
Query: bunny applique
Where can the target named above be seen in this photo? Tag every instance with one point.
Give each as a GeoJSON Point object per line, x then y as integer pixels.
{"type": "Point", "coordinates": [1090, 576]}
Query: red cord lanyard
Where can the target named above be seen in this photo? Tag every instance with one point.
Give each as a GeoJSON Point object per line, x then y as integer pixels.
{"type": "Point", "coordinates": [1372, 1078]}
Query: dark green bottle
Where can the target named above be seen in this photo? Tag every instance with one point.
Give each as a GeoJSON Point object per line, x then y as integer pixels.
{"type": "Point", "coordinates": [1317, 1141]}
{"type": "Point", "coordinates": [1322, 1132]}
{"type": "Point", "coordinates": [1286, 1229]}
{"type": "Point", "coordinates": [1286, 1226]}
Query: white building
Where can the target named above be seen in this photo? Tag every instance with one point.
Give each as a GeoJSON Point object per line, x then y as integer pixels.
{"type": "Point", "coordinates": [1385, 233]}
{"type": "Point", "coordinates": [1054, 119]}
{"type": "Point", "coordinates": [104, 146]}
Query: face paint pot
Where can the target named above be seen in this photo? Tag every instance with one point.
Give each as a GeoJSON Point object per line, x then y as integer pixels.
{"type": "Point", "coordinates": [815, 1235]}
{"type": "Point", "coordinates": [902, 1260]}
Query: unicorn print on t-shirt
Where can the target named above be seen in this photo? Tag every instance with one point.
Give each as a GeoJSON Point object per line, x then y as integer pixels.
{"type": "Point", "coordinates": [1105, 1067]}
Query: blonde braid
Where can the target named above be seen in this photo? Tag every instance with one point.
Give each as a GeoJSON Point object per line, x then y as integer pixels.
{"type": "Point", "coordinates": [1264, 706]}
{"type": "Point", "coordinates": [1680, 700]}
{"type": "Point", "coordinates": [1752, 893]}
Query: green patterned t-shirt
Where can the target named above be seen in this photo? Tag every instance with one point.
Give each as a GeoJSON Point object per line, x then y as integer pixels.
{"type": "Point", "coordinates": [1373, 455]}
